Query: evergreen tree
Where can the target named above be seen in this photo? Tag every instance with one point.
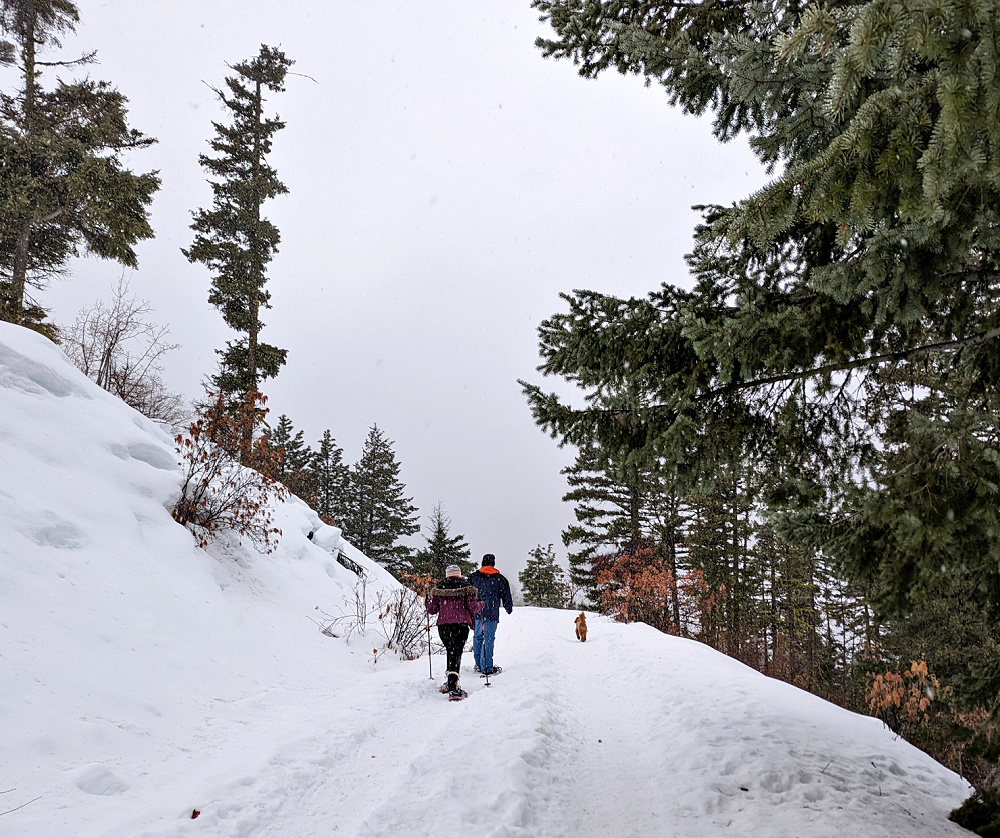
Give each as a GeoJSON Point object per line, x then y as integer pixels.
{"type": "Point", "coordinates": [543, 582]}
{"type": "Point", "coordinates": [233, 239]}
{"type": "Point", "coordinates": [442, 548]}
{"type": "Point", "coordinates": [377, 514]}
{"type": "Point", "coordinates": [609, 514]}
{"type": "Point", "coordinates": [792, 612]}
{"type": "Point", "coordinates": [668, 541]}
{"type": "Point", "coordinates": [294, 459]}
{"type": "Point", "coordinates": [278, 438]}
{"type": "Point", "coordinates": [330, 477]}
{"type": "Point", "coordinates": [844, 328]}
{"type": "Point", "coordinates": [618, 509]}
{"type": "Point", "coordinates": [64, 187]}
{"type": "Point", "coordinates": [847, 634]}
{"type": "Point", "coordinates": [719, 545]}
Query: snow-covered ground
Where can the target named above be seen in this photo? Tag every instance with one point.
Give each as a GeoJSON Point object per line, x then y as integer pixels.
{"type": "Point", "coordinates": [142, 679]}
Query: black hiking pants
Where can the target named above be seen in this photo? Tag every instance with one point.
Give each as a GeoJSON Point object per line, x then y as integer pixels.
{"type": "Point", "coordinates": [454, 636]}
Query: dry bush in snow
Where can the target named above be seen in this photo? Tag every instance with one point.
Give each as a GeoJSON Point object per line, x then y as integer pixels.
{"type": "Point", "coordinates": [227, 475]}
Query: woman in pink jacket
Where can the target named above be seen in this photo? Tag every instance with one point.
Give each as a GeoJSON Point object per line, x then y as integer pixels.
{"type": "Point", "coordinates": [455, 602]}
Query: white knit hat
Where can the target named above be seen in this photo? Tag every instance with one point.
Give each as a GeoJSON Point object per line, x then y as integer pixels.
{"type": "Point", "coordinates": [453, 570]}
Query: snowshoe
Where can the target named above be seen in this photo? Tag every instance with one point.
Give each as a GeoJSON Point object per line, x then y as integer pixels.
{"type": "Point", "coordinates": [496, 670]}
{"type": "Point", "coordinates": [457, 695]}
{"type": "Point", "coordinates": [444, 687]}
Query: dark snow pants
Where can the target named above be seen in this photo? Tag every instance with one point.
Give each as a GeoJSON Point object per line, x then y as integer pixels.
{"type": "Point", "coordinates": [454, 635]}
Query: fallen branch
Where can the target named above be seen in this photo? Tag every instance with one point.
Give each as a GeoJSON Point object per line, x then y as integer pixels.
{"type": "Point", "coordinates": [22, 805]}
{"type": "Point", "coordinates": [906, 810]}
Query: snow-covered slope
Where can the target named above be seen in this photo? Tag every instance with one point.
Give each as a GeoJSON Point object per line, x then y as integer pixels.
{"type": "Point", "coordinates": [121, 643]}
{"type": "Point", "coordinates": [142, 678]}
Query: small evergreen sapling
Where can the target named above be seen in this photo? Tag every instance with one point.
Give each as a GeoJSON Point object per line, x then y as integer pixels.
{"type": "Point", "coordinates": [294, 460]}
{"type": "Point", "coordinates": [330, 478]}
{"type": "Point", "coordinates": [442, 548]}
{"type": "Point", "coordinates": [543, 582]}
{"type": "Point", "coordinates": [377, 515]}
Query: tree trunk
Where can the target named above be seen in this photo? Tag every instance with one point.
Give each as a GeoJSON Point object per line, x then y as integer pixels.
{"type": "Point", "coordinates": [675, 602]}
{"type": "Point", "coordinates": [19, 271]}
{"type": "Point", "coordinates": [811, 627]}
{"type": "Point", "coordinates": [19, 267]}
{"type": "Point", "coordinates": [635, 518]}
{"type": "Point", "coordinates": [253, 301]}
{"type": "Point", "coordinates": [773, 613]}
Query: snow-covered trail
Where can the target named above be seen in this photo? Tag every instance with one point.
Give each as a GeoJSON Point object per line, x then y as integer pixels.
{"type": "Point", "coordinates": [631, 734]}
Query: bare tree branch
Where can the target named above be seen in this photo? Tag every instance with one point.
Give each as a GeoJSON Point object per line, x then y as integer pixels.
{"type": "Point", "coordinates": [121, 351]}
{"type": "Point", "coordinates": [871, 360]}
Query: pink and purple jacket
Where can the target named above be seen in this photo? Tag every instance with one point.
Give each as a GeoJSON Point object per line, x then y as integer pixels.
{"type": "Point", "coordinates": [454, 600]}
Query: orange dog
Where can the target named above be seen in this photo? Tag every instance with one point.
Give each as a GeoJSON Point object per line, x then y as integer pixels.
{"type": "Point", "coordinates": [581, 627]}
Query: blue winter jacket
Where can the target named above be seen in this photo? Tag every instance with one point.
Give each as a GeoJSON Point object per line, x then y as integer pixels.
{"type": "Point", "coordinates": [494, 591]}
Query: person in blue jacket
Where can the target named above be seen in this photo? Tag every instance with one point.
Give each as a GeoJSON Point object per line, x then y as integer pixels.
{"type": "Point", "coordinates": [494, 591]}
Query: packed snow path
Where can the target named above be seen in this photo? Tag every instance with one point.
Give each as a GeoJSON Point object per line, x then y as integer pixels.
{"type": "Point", "coordinates": [630, 734]}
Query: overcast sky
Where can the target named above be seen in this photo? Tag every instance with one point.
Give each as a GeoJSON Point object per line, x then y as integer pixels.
{"type": "Point", "coordinates": [445, 184]}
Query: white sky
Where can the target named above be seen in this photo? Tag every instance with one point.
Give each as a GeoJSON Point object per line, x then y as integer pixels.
{"type": "Point", "coordinates": [446, 183]}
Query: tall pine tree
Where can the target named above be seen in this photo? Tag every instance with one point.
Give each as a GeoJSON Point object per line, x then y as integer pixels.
{"type": "Point", "coordinates": [442, 548]}
{"type": "Point", "coordinates": [618, 509]}
{"type": "Point", "coordinates": [608, 512]}
{"type": "Point", "coordinates": [294, 460]}
{"type": "Point", "coordinates": [330, 477]}
{"type": "Point", "coordinates": [719, 545]}
{"type": "Point", "coordinates": [377, 515]}
{"type": "Point", "coordinates": [233, 239]}
{"type": "Point", "coordinates": [64, 188]}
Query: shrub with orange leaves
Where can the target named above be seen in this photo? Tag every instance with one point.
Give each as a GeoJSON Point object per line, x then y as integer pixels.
{"type": "Point", "coordinates": [638, 587]}
{"type": "Point", "coordinates": [903, 698]}
{"type": "Point", "coordinates": [701, 606]}
{"type": "Point", "coordinates": [420, 584]}
{"type": "Point", "coordinates": [227, 475]}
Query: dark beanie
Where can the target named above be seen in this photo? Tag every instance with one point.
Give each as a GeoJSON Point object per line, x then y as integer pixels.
{"type": "Point", "coordinates": [489, 560]}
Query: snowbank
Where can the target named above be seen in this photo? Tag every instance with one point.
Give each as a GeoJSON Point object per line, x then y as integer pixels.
{"type": "Point", "coordinates": [120, 637]}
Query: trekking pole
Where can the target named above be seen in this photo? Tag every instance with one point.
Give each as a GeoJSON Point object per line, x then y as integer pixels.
{"type": "Point", "coordinates": [430, 662]}
{"type": "Point", "coordinates": [487, 677]}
